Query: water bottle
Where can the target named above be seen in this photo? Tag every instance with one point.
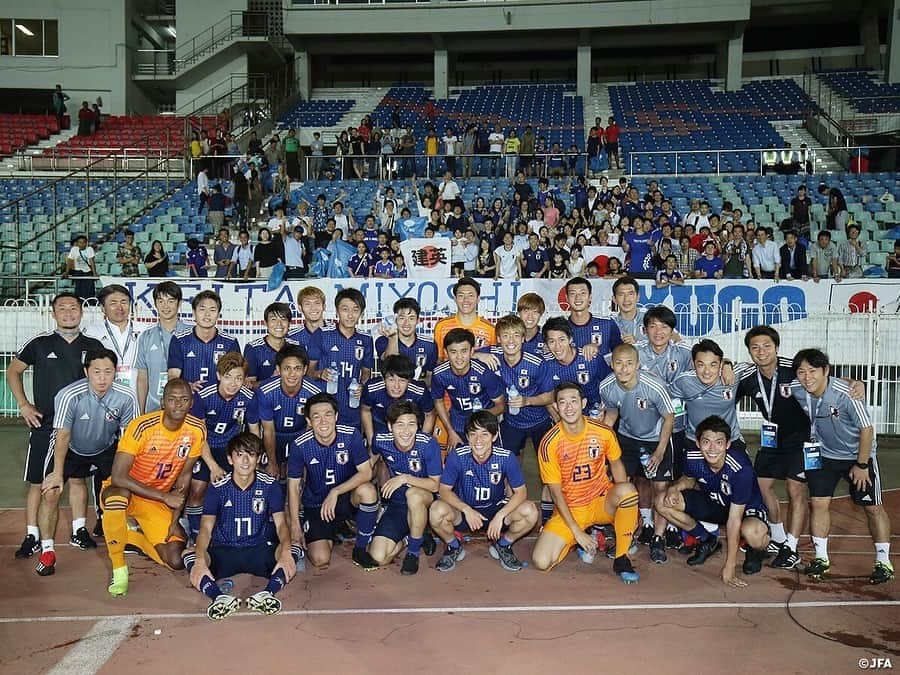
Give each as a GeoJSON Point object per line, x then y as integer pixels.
{"type": "Point", "coordinates": [645, 462]}
{"type": "Point", "coordinates": [332, 386]}
{"type": "Point", "coordinates": [389, 323]}
{"type": "Point", "coordinates": [596, 412]}
{"type": "Point", "coordinates": [476, 405]}
{"type": "Point", "coordinates": [512, 393]}
{"type": "Point", "coordinates": [354, 399]}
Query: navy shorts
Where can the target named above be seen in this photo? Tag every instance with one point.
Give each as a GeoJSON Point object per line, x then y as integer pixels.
{"type": "Point", "coordinates": [81, 466]}
{"type": "Point", "coordinates": [822, 482]}
{"type": "Point", "coordinates": [513, 438]}
{"type": "Point", "coordinates": [699, 506]}
{"type": "Point", "coordinates": [201, 470]}
{"type": "Point", "coordinates": [316, 529]}
{"type": "Point", "coordinates": [393, 524]}
{"type": "Point", "coordinates": [631, 458]}
{"type": "Point", "coordinates": [780, 464]}
{"type": "Point", "coordinates": [226, 561]}
{"type": "Point", "coordinates": [678, 443]}
{"type": "Point", "coordinates": [487, 511]}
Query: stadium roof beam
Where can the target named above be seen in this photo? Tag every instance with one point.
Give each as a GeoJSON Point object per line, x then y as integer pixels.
{"type": "Point", "coordinates": [523, 15]}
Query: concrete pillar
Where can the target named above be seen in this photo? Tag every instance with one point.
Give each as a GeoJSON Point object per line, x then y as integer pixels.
{"type": "Point", "coordinates": [868, 34]}
{"type": "Point", "coordinates": [892, 60]}
{"type": "Point", "coordinates": [302, 74]}
{"type": "Point", "coordinates": [441, 74]}
{"type": "Point", "coordinates": [583, 71]}
{"type": "Point", "coordinates": [734, 62]}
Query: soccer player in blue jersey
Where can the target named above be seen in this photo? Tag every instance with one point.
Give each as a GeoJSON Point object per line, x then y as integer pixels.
{"type": "Point", "coordinates": [413, 462]}
{"type": "Point", "coordinates": [234, 534]}
{"type": "Point", "coordinates": [473, 496]}
{"type": "Point", "coordinates": [332, 464]}
{"type": "Point", "coordinates": [193, 354]}
{"type": "Point", "coordinates": [842, 439]}
{"type": "Point", "coordinates": [469, 384]}
{"type": "Point", "coordinates": [260, 353]}
{"type": "Point", "coordinates": [629, 318]}
{"type": "Point", "coordinates": [395, 384]}
{"type": "Point", "coordinates": [719, 487]}
{"type": "Point", "coordinates": [312, 306]}
{"type": "Point", "coordinates": [279, 404]}
{"type": "Point", "coordinates": [588, 329]}
{"type": "Point", "coordinates": [227, 409]}
{"type": "Point", "coordinates": [403, 340]}
{"type": "Point", "coordinates": [340, 353]}
{"type": "Point", "coordinates": [568, 363]}
{"type": "Point", "coordinates": [530, 308]}
{"type": "Point", "coordinates": [526, 416]}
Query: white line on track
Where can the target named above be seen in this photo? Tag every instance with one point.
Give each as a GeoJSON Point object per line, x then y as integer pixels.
{"type": "Point", "coordinates": [95, 648]}
{"type": "Point", "coordinates": [132, 618]}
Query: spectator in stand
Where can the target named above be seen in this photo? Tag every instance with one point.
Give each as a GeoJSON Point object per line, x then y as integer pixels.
{"type": "Point", "coordinates": [129, 256]}
{"type": "Point", "coordinates": [197, 258]}
{"type": "Point", "coordinates": [292, 154]}
{"type": "Point", "coordinates": [450, 141]}
{"type": "Point", "coordinates": [485, 264]}
{"type": "Point", "coordinates": [736, 253]}
{"type": "Point", "coordinates": [800, 208]}
{"type": "Point", "coordinates": [860, 161]}
{"type": "Point", "coordinates": [837, 215]}
{"type": "Point", "coordinates": [614, 268]}
{"type": "Point", "coordinates": [892, 262]}
{"type": "Point", "coordinates": [273, 153]}
{"type": "Point", "coordinates": [431, 151]}
{"type": "Point", "coordinates": [85, 119]}
{"type": "Point", "coordinates": [612, 142]}
{"type": "Point", "coordinates": [216, 206]}
{"type": "Point", "coordinates": [687, 257]}
{"type": "Point", "coordinates": [98, 114]}
{"type": "Point", "coordinates": [469, 145]}
{"type": "Point", "coordinates": [709, 265]}
{"type": "Point", "coordinates": [360, 263]}
{"type": "Point", "coordinates": [254, 145]}
{"type": "Point", "coordinates": [852, 253]}
{"type": "Point", "coordinates": [793, 259]}
{"type": "Point", "coordinates": [497, 142]}
{"type": "Point", "coordinates": [766, 257]}
{"type": "Point", "coordinates": [241, 196]}
{"type": "Point", "coordinates": [242, 267]}
{"type": "Point", "coordinates": [535, 261]}
{"type": "Point", "coordinates": [80, 263]}
{"type": "Point", "coordinates": [254, 197]}
{"type": "Point", "coordinates": [223, 252]}
{"type": "Point", "coordinates": [449, 191]}
{"type": "Point", "coordinates": [317, 151]}
{"type": "Point", "coordinates": [669, 274]}
{"type": "Point", "coordinates": [59, 105]}
{"type": "Point", "coordinates": [267, 253]}
{"type": "Point", "coordinates": [157, 260]}
{"type": "Point", "coordinates": [407, 153]}
{"type": "Point", "coordinates": [823, 258]}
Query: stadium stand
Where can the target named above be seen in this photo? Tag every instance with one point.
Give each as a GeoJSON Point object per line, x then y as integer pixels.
{"type": "Point", "coordinates": [692, 116]}
{"type": "Point", "coordinates": [18, 132]}
{"type": "Point", "coordinates": [319, 113]}
{"type": "Point", "coordinates": [152, 134]}
{"type": "Point", "coordinates": [865, 92]}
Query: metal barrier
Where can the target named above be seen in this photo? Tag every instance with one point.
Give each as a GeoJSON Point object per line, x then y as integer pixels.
{"type": "Point", "coordinates": [842, 153]}
{"type": "Point", "coordinates": [864, 346]}
{"type": "Point", "coordinates": [383, 167]}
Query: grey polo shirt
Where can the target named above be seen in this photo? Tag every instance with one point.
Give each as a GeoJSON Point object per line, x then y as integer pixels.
{"type": "Point", "coordinates": [701, 401]}
{"type": "Point", "coordinates": [152, 352]}
{"type": "Point", "coordinates": [835, 419]}
{"type": "Point", "coordinates": [641, 409]}
{"type": "Point", "coordinates": [94, 423]}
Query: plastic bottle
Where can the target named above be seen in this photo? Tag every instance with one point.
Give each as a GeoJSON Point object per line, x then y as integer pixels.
{"type": "Point", "coordinates": [389, 322]}
{"type": "Point", "coordinates": [512, 393]}
{"type": "Point", "coordinates": [332, 386]}
{"type": "Point", "coordinates": [354, 399]}
{"type": "Point", "coordinates": [476, 405]}
{"type": "Point", "coordinates": [596, 413]}
{"type": "Point", "coordinates": [645, 461]}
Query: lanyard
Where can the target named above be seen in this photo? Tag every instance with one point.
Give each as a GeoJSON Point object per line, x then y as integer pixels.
{"type": "Point", "coordinates": [120, 353]}
{"type": "Point", "coordinates": [813, 414]}
{"type": "Point", "coordinates": [768, 402]}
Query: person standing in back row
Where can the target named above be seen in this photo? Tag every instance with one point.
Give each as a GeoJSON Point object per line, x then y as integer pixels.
{"type": "Point", "coordinates": [57, 358]}
{"type": "Point", "coordinates": [612, 142]}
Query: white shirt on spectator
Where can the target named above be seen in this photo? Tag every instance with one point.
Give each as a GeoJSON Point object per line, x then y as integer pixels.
{"type": "Point", "coordinates": [450, 144]}
{"type": "Point", "coordinates": [495, 141]}
{"type": "Point", "coordinates": [81, 258]}
{"type": "Point", "coordinates": [766, 256]}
